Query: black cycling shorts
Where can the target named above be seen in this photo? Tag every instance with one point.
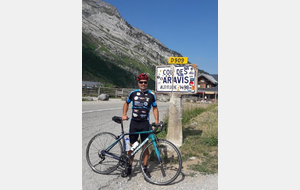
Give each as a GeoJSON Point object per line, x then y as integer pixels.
{"type": "Point", "coordinates": [138, 126]}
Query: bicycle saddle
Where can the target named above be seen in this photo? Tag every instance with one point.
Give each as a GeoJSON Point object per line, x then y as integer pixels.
{"type": "Point", "coordinates": [117, 119]}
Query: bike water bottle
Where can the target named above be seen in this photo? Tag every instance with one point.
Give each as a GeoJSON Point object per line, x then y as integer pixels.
{"type": "Point", "coordinates": [127, 144]}
{"type": "Point", "coordinates": [134, 145]}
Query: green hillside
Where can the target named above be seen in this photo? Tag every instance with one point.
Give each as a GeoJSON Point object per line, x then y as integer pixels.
{"type": "Point", "coordinates": [96, 68]}
{"type": "Point", "coordinates": [100, 69]}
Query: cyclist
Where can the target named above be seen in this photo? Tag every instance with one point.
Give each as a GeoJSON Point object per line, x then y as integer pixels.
{"type": "Point", "coordinates": [142, 99]}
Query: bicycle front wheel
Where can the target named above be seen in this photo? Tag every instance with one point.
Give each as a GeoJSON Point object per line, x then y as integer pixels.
{"type": "Point", "coordinates": [97, 161]}
{"type": "Point", "coordinates": [166, 171]}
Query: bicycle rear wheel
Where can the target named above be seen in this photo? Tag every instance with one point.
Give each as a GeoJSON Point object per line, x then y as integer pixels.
{"type": "Point", "coordinates": [95, 158]}
{"type": "Point", "coordinates": [165, 172]}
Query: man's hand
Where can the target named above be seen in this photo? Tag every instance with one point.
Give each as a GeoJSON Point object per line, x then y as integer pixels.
{"type": "Point", "coordinates": [124, 117]}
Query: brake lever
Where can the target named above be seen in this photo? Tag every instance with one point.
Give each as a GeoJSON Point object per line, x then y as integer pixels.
{"type": "Point", "coordinates": [160, 125]}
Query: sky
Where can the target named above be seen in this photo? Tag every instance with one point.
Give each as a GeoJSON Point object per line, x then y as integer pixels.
{"type": "Point", "coordinates": [188, 27]}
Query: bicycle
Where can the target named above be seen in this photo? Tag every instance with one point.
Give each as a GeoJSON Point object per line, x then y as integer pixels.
{"type": "Point", "coordinates": [105, 153]}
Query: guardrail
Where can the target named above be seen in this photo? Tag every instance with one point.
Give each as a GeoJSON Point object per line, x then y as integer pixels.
{"type": "Point", "coordinates": [112, 92]}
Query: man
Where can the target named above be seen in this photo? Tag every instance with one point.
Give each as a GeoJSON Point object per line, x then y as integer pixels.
{"type": "Point", "coordinates": [142, 100]}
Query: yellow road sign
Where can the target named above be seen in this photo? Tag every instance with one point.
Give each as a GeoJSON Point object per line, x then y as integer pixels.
{"type": "Point", "coordinates": [178, 60]}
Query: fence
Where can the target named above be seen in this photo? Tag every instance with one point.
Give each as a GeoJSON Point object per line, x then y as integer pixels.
{"type": "Point", "coordinates": [89, 91]}
{"type": "Point", "coordinates": [112, 92]}
{"type": "Point", "coordinates": [124, 92]}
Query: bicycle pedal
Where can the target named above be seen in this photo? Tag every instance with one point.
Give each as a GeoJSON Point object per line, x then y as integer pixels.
{"type": "Point", "coordinates": [123, 174]}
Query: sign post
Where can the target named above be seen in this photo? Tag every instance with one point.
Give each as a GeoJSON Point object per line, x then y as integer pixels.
{"type": "Point", "coordinates": [177, 80]}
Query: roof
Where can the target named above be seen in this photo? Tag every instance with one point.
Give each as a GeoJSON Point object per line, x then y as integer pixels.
{"type": "Point", "coordinates": [215, 76]}
{"type": "Point", "coordinates": [211, 78]}
{"type": "Point", "coordinates": [91, 83]}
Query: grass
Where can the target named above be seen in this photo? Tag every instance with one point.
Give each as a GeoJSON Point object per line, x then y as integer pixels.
{"type": "Point", "coordinates": [200, 137]}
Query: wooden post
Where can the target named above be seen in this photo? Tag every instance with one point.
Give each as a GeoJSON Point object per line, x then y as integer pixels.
{"type": "Point", "coordinates": [99, 90]}
{"type": "Point", "coordinates": [215, 97]}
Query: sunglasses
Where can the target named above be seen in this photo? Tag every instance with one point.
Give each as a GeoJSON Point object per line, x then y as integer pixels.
{"type": "Point", "coordinates": [143, 82]}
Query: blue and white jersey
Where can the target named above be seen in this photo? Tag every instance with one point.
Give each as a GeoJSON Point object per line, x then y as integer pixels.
{"type": "Point", "coordinates": [141, 104]}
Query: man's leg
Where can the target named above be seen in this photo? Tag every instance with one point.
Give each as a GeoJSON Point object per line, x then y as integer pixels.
{"type": "Point", "coordinates": [145, 160]}
{"type": "Point", "coordinates": [129, 153]}
{"type": "Point", "coordinates": [146, 155]}
{"type": "Point", "coordinates": [131, 161]}
{"type": "Point", "coordinates": [132, 138]}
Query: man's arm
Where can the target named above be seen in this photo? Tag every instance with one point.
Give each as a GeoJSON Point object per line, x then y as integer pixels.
{"type": "Point", "coordinates": [125, 109]}
{"type": "Point", "coordinates": [156, 114]}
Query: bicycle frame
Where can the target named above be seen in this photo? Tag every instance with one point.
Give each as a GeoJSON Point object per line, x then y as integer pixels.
{"type": "Point", "coordinates": [150, 136]}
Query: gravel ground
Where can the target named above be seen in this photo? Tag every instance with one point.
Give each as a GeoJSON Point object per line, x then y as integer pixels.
{"type": "Point", "coordinates": [136, 181]}
{"type": "Point", "coordinates": [187, 180]}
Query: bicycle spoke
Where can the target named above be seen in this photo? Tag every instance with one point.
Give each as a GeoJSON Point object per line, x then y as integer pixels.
{"type": "Point", "coordinates": [167, 171]}
{"type": "Point", "coordinates": [101, 163]}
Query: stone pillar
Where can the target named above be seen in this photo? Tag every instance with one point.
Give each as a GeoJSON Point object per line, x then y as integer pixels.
{"type": "Point", "coordinates": [175, 120]}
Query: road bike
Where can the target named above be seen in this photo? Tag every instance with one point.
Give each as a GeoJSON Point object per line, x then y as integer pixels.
{"type": "Point", "coordinates": [105, 153]}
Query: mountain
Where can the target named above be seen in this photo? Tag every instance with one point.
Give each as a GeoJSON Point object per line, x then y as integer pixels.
{"type": "Point", "coordinates": [113, 51]}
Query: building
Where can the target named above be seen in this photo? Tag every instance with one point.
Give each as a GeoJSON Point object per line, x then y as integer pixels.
{"type": "Point", "coordinates": [208, 86]}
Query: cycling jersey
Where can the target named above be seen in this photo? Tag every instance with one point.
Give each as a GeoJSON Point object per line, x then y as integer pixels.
{"type": "Point", "coordinates": [141, 104]}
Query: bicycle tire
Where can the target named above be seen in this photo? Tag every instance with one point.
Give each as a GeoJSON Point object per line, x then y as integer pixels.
{"type": "Point", "coordinates": [169, 169]}
{"type": "Point", "coordinates": [93, 153]}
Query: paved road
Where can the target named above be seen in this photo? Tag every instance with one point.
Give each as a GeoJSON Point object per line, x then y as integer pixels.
{"type": "Point", "coordinates": [96, 117]}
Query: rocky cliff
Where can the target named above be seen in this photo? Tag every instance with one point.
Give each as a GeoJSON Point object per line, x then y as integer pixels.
{"type": "Point", "coordinates": [114, 41]}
